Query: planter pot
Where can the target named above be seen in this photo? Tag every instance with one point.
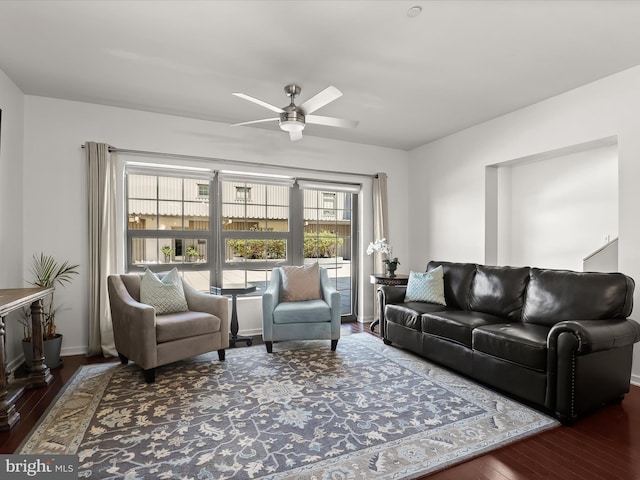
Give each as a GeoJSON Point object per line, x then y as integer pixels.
{"type": "Point", "coordinates": [391, 269]}
{"type": "Point", "coordinates": [51, 348]}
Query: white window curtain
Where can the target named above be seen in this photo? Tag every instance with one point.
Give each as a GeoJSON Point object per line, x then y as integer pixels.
{"type": "Point", "coordinates": [101, 186]}
{"type": "Point", "coordinates": [380, 216]}
{"type": "Point", "coordinates": [380, 228]}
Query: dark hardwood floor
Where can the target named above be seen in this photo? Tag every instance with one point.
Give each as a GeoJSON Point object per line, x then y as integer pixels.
{"type": "Point", "coordinates": [605, 445]}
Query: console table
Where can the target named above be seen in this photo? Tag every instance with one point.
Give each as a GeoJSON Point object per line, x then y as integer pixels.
{"type": "Point", "coordinates": [234, 290]}
{"type": "Point", "coordinates": [383, 279]}
{"type": "Point", "coordinates": [39, 375]}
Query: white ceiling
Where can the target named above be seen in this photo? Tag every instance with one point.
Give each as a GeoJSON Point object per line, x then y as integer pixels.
{"type": "Point", "coordinates": [407, 80]}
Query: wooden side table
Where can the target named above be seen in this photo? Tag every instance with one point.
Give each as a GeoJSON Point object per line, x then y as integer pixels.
{"type": "Point", "coordinates": [383, 279]}
{"type": "Point", "coordinates": [12, 299]}
{"type": "Point", "coordinates": [234, 290]}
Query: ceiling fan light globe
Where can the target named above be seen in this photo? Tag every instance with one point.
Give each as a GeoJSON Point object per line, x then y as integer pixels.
{"type": "Point", "coordinates": [291, 126]}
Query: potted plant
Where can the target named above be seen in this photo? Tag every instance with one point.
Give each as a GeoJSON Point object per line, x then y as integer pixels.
{"type": "Point", "coordinates": [391, 262]}
{"type": "Point", "coordinates": [192, 252]}
{"type": "Point", "coordinates": [167, 251]}
{"type": "Point", "coordinates": [47, 272]}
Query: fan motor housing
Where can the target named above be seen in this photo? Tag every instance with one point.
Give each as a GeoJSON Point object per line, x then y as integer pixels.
{"type": "Point", "coordinates": [291, 116]}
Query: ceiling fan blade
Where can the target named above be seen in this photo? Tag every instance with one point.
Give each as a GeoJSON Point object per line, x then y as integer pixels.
{"type": "Point", "coordinates": [295, 136]}
{"type": "Point", "coordinates": [326, 96]}
{"type": "Point", "coordinates": [255, 121]}
{"type": "Point", "coordinates": [273, 108]}
{"type": "Point", "coordinates": [331, 121]}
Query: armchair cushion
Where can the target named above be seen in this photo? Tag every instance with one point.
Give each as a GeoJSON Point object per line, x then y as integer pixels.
{"type": "Point", "coordinates": [175, 326]}
{"type": "Point", "coordinates": [165, 295]}
{"type": "Point", "coordinates": [301, 283]}
{"type": "Point", "coordinates": [310, 311]}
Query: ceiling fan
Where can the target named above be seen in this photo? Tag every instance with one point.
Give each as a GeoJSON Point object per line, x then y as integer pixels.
{"type": "Point", "coordinates": [293, 118]}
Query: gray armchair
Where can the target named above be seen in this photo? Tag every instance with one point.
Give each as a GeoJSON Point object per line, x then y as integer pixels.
{"type": "Point", "coordinates": [302, 320]}
{"type": "Point", "coordinates": [151, 340]}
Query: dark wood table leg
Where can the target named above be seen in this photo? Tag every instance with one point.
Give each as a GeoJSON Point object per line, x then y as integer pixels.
{"type": "Point", "coordinates": [40, 375]}
{"type": "Point", "coordinates": [8, 414]}
{"type": "Point", "coordinates": [234, 325]}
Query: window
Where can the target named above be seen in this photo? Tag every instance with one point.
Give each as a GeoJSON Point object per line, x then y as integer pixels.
{"type": "Point", "coordinates": [233, 229]}
{"type": "Point", "coordinates": [203, 190]}
{"type": "Point", "coordinates": [329, 204]}
{"type": "Point", "coordinates": [243, 194]}
{"type": "Point", "coordinates": [328, 237]}
{"type": "Point", "coordinates": [255, 230]}
{"type": "Point", "coordinates": [169, 225]}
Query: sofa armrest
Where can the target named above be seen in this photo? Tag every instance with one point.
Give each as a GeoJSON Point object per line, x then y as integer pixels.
{"type": "Point", "coordinates": [387, 294]}
{"type": "Point", "coordinates": [588, 364]}
{"type": "Point", "coordinates": [596, 335]}
{"type": "Point", "coordinates": [392, 293]}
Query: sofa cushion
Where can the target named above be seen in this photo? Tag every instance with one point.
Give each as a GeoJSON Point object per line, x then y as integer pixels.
{"type": "Point", "coordinates": [456, 325]}
{"type": "Point", "coordinates": [426, 287]}
{"type": "Point", "coordinates": [499, 291]}
{"type": "Point", "coordinates": [174, 326]}
{"type": "Point", "coordinates": [308, 311]}
{"type": "Point", "coordinates": [557, 295]}
{"type": "Point", "coordinates": [408, 314]}
{"type": "Point", "coordinates": [520, 343]}
{"type": "Point", "coordinates": [457, 282]}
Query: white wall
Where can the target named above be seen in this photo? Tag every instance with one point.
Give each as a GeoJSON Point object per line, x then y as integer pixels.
{"type": "Point", "coordinates": [448, 176]}
{"type": "Point", "coordinates": [55, 209]}
{"type": "Point", "coordinates": [11, 220]}
{"type": "Point", "coordinates": [560, 209]}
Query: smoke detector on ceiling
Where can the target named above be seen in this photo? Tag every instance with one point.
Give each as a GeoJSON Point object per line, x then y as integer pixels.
{"type": "Point", "coordinates": [414, 11]}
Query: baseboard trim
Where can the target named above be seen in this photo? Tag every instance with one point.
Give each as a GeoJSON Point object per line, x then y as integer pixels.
{"type": "Point", "coordinates": [635, 380]}
{"type": "Point", "coordinates": [254, 332]}
{"type": "Point", "coordinates": [68, 351]}
{"type": "Point", "coordinates": [13, 365]}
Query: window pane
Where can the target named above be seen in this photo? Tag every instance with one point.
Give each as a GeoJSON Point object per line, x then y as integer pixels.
{"type": "Point", "coordinates": [255, 207]}
{"type": "Point", "coordinates": [142, 214]}
{"type": "Point", "coordinates": [277, 195]}
{"type": "Point", "coordinates": [144, 251]}
{"type": "Point", "coordinates": [277, 219]}
{"type": "Point", "coordinates": [195, 250]}
{"type": "Point", "coordinates": [260, 278]}
{"type": "Point", "coordinates": [170, 188]}
{"type": "Point", "coordinates": [195, 222]}
{"type": "Point", "coordinates": [327, 238]}
{"type": "Point", "coordinates": [200, 280]}
{"type": "Point", "coordinates": [170, 215]}
{"type": "Point", "coordinates": [142, 186]}
{"type": "Point", "coordinates": [148, 251]}
{"type": "Point", "coordinates": [322, 244]}
{"type": "Point", "coordinates": [240, 249]}
{"type": "Point", "coordinates": [196, 215]}
{"type": "Point", "coordinates": [167, 253]}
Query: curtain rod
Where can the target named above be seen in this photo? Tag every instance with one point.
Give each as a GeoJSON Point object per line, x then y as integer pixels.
{"type": "Point", "coordinates": [233, 162]}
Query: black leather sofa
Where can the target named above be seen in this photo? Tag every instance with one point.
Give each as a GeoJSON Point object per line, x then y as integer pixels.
{"type": "Point", "coordinates": [555, 339]}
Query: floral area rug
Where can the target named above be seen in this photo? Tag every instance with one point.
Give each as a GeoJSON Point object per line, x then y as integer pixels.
{"type": "Point", "coordinates": [304, 412]}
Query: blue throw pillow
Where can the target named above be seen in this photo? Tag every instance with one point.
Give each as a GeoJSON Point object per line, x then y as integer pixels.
{"type": "Point", "coordinates": [166, 295]}
{"type": "Point", "coordinates": [426, 287]}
